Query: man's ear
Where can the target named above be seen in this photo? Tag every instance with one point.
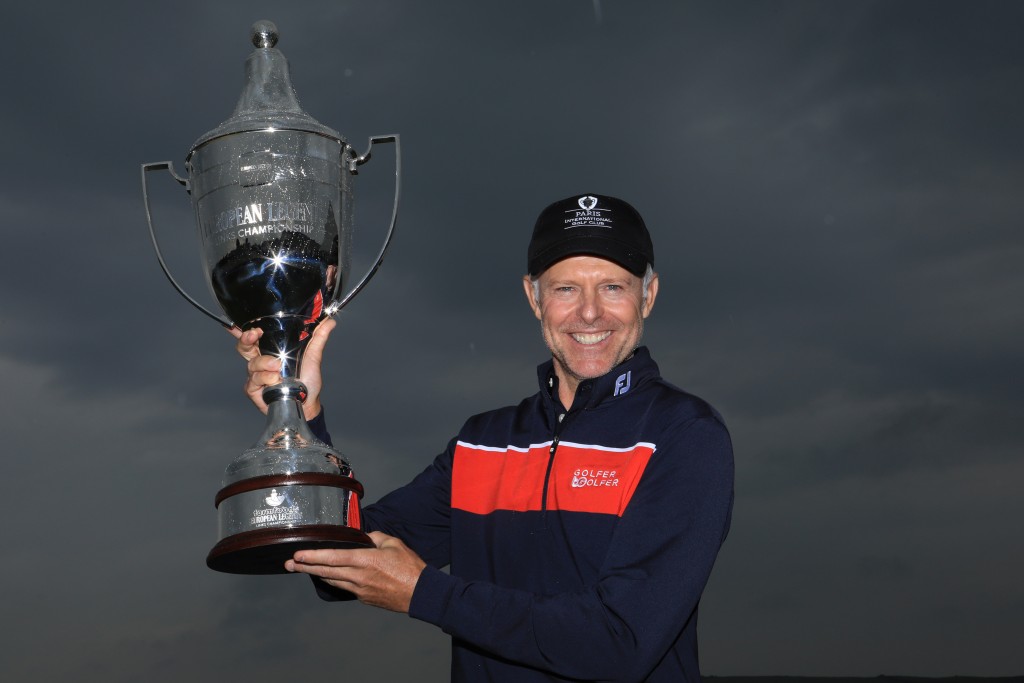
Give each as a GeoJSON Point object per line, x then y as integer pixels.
{"type": "Point", "coordinates": [528, 290]}
{"type": "Point", "coordinates": [652, 293]}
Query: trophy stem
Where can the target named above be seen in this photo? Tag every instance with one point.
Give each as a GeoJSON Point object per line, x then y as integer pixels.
{"type": "Point", "coordinates": [286, 423]}
{"type": "Point", "coordinates": [285, 337]}
{"type": "Point", "coordinates": [284, 402]}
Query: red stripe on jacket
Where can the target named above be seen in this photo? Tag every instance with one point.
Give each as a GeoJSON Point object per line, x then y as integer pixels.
{"type": "Point", "coordinates": [584, 478]}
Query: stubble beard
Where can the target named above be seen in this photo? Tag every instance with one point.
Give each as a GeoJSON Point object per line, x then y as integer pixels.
{"type": "Point", "coordinates": [560, 357]}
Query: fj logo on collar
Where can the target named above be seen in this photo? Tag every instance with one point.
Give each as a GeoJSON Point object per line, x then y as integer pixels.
{"type": "Point", "coordinates": [622, 383]}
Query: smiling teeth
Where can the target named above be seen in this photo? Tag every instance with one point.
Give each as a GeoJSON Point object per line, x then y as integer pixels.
{"type": "Point", "coordinates": [590, 338]}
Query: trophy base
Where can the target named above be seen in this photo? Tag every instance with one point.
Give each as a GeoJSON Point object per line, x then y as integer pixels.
{"type": "Point", "coordinates": [264, 551]}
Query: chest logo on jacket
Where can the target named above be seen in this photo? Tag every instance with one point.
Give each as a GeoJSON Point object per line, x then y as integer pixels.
{"type": "Point", "coordinates": [590, 478]}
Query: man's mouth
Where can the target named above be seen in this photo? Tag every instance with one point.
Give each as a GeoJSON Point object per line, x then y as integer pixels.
{"type": "Point", "coordinates": [590, 338]}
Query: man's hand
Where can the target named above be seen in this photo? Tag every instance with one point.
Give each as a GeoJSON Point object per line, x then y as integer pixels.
{"type": "Point", "coordinates": [384, 576]}
{"type": "Point", "coordinates": [266, 370]}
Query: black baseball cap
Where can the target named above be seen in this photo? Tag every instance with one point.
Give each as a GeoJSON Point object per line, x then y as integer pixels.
{"type": "Point", "coordinates": [590, 225]}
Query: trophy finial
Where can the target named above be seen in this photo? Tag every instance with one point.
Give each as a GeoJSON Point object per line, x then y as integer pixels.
{"type": "Point", "coordinates": [264, 33]}
{"type": "Point", "coordinates": [268, 100]}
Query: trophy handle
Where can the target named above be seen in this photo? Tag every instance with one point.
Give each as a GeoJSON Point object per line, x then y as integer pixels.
{"type": "Point", "coordinates": [352, 164]}
{"type": "Point", "coordinates": [152, 234]}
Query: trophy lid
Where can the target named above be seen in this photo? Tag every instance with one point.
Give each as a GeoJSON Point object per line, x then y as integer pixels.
{"type": "Point", "coordinates": [268, 100]}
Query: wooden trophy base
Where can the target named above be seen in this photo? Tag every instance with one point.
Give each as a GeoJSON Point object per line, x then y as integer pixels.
{"type": "Point", "coordinates": [264, 551]}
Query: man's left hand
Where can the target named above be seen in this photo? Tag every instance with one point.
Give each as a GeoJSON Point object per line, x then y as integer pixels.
{"type": "Point", "coordinates": [266, 370]}
{"type": "Point", "coordinates": [384, 576]}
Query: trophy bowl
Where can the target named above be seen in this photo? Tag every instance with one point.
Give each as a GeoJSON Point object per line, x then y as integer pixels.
{"type": "Point", "coordinates": [271, 190]}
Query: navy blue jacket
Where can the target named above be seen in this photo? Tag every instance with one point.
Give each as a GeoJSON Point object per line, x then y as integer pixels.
{"type": "Point", "coordinates": [579, 541]}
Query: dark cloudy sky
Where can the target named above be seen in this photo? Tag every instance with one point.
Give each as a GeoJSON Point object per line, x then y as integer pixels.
{"type": "Point", "coordinates": [835, 194]}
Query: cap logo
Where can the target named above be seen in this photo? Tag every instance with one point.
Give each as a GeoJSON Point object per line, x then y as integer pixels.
{"type": "Point", "coordinates": [588, 215]}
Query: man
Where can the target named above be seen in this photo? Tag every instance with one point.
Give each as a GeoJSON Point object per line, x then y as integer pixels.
{"type": "Point", "coordinates": [581, 525]}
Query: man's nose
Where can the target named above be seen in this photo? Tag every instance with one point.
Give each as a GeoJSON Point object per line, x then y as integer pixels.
{"type": "Point", "coordinates": [590, 308]}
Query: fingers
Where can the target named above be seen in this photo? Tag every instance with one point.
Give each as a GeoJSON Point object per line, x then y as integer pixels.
{"type": "Point", "coordinates": [341, 568]}
{"type": "Point", "coordinates": [248, 342]}
{"type": "Point", "coordinates": [263, 365]}
{"type": "Point", "coordinates": [257, 380]}
{"type": "Point", "coordinates": [384, 576]}
{"type": "Point", "coordinates": [262, 370]}
{"type": "Point", "coordinates": [265, 371]}
{"type": "Point", "coordinates": [311, 374]}
{"type": "Point", "coordinates": [315, 349]}
{"type": "Point", "coordinates": [324, 560]}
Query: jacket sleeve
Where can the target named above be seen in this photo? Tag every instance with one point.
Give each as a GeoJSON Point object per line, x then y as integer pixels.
{"type": "Point", "coordinates": [318, 425]}
{"type": "Point", "coordinates": [647, 590]}
{"type": "Point", "coordinates": [419, 513]}
{"type": "Point", "coordinates": [416, 513]}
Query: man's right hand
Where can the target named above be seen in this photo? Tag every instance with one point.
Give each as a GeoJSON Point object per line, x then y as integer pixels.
{"type": "Point", "coordinates": [266, 370]}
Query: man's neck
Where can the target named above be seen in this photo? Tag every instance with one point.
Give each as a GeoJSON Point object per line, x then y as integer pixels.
{"type": "Point", "coordinates": [567, 386]}
{"type": "Point", "coordinates": [568, 383]}
{"type": "Point", "coordinates": [566, 396]}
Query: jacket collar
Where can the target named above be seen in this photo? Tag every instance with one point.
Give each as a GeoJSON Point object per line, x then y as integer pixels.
{"type": "Point", "coordinates": [620, 381]}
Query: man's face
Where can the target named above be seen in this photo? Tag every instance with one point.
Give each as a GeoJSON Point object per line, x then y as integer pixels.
{"type": "Point", "coordinates": [591, 312]}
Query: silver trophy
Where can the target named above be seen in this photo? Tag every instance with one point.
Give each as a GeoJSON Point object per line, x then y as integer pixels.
{"type": "Point", "coordinates": [272, 193]}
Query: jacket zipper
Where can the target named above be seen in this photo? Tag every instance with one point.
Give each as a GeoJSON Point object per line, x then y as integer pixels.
{"type": "Point", "coordinates": [551, 461]}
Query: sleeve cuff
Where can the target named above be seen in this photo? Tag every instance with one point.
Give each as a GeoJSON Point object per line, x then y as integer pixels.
{"type": "Point", "coordinates": [430, 598]}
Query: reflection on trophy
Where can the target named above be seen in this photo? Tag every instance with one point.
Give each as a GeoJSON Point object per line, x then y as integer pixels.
{"type": "Point", "coordinates": [271, 189]}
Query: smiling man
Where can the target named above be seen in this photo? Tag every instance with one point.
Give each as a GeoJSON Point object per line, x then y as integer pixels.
{"type": "Point", "coordinates": [581, 525]}
{"type": "Point", "coordinates": [585, 261]}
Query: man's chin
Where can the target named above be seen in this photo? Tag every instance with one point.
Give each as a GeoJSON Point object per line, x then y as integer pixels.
{"type": "Point", "coordinates": [589, 370]}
